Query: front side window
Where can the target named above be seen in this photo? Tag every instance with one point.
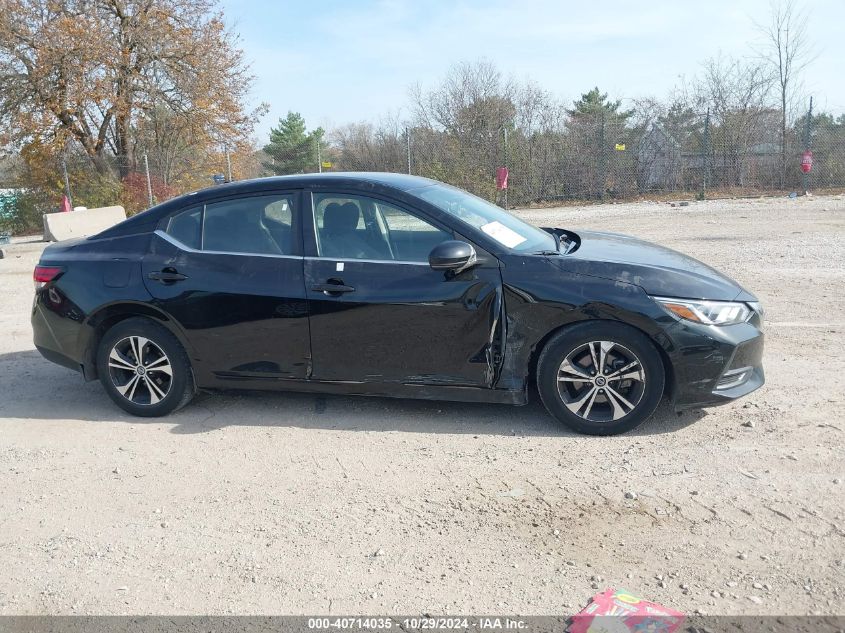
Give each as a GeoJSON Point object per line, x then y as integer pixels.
{"type": "Point", "coordinates": [493, 221]}
{"type": "Point", "coordinates": [360, 227]}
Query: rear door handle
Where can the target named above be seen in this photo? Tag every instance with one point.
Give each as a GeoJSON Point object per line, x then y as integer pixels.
{"type": "Point", "coordinates": [166, 276]}
{"type": "Point", "coordinates": [330, 289]}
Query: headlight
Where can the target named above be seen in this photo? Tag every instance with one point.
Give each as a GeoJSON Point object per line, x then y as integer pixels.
{"type": "Point", "coordinates": [707, 312]}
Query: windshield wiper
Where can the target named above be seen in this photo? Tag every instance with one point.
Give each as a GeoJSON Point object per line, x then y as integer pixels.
{"type": "Point", "coordinates": [549, 252]}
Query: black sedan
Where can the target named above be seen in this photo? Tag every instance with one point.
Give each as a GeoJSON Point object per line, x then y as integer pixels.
{"type": "Point", "coordinates": [391, 285]}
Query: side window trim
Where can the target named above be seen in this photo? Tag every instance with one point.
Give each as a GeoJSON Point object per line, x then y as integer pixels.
{"type": "Point", "coordinates": [202, 225]}
{"type": "Point", "coordinates": [184, 247]}
{"type": "Point", "coordinates": [365, 261]}
{"type": "Point", "coordinates": [297, 213]}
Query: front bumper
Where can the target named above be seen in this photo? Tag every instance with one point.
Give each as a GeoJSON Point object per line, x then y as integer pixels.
{"type": "Point", "coordinates": [714, 365]}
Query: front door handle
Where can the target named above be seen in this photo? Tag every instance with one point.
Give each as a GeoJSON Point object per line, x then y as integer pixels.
{"type": "Point", "coordinates": [332, 289]}
{"type": "Point", "coordinates": [167, 276]}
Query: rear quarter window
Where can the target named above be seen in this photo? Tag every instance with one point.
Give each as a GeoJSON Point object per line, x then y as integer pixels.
{"type": "Point", "coordinates": [185, 228]}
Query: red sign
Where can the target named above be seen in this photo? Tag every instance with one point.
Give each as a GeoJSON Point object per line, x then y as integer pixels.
{"type": "Point", "coordinates": [501, 178]}
{"type": "Point", "coordinates": [807, 162]}
{"type": "Point", "coordinates": [65, 206]}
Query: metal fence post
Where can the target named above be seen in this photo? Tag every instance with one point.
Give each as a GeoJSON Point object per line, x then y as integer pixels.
{"type": "Point", "coordinates": [602, 157]}
{"type": "Point", "coordinates": [408, 147]}
{"type": "Point", "coordinates": [705, 154]}
{"type": "Point", "coordinates": [67, 182]}
{"type": "Point", "coordinates": [149, 182]}
{"type": "Point", "coordinates": [805, 176]}
{"type": "Point", "coordinates": [505, 130]}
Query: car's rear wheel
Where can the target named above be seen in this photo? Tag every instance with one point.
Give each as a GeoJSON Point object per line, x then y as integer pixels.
{"type": "Point", "coordinates": [600, 378]}
{"type": "Point", "coordinates": [144, 368]}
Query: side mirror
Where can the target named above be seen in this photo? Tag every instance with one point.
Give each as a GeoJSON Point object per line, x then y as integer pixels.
{"type": "Point", "coordinates": [452, 255]}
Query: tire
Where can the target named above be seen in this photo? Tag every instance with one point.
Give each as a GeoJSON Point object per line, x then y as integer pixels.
{"type": "Point", "coordinates": [619, 399]}
{"type": "Point", "coordinates": [165, 381]}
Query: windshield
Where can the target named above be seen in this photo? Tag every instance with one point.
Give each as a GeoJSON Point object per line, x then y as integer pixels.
{"type": "Point", "coordinates": [495, 222]}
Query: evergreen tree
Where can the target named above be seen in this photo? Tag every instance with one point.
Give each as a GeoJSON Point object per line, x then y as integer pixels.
{"type": "Point", "coordinates": [595, 103]}
{"type": "Point", "coordinates": [292, 149]}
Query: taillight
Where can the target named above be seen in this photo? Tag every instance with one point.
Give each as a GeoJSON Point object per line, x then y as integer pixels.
{"type": "Point", "coordinates": [44, 274]}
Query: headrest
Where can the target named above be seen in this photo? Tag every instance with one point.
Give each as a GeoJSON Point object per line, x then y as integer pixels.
{"type": "Point", "coordinates": [341, 217]}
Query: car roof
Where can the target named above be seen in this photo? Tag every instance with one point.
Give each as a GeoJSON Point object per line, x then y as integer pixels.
{"type": "Point", "coordinates": [403, 182]}
{"type": "Point", "coordinates": [366, 181]}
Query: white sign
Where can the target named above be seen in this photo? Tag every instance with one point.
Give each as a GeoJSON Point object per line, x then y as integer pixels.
{"type": "Point", "coordinates": [503, 234]}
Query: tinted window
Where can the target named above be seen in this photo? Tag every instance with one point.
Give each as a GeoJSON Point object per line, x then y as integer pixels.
{"type": "Point", "coordinates": [359, 227]}
{"type": "Point", "coordinates": [322, 201]}
{"type": "Point", "coordinates": [506, 229]}
{"type": "Point", "coordinates": [257, 224]}
{"type": "Point", "coordinates": [185, 228]}
{"type": "Point", "coordinates": [411, 238]}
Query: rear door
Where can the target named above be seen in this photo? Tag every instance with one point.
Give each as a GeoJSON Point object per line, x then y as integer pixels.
{"type": "Point", "coordinates": [231, 273]}
{"type": "Point", "coordinates": [379, 313]}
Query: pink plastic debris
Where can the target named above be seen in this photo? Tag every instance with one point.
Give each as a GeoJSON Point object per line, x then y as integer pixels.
{"type": "Point", "coordinates": [618, 611]}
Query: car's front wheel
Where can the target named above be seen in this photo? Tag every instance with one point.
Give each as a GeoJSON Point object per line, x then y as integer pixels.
{"type": "Point", "coordinates": [600, 378]}
{"type": "Point", "coordinates": [144, 368]}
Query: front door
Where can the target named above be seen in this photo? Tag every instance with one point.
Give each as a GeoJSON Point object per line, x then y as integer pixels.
{"type": "Point", "coordinates": [230, 273]}
{"type": "Point", "coordinates": [379, 313]}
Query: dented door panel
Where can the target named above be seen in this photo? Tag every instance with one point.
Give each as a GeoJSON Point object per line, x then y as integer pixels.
{"type": "Point", "coordinates": [403, 322]}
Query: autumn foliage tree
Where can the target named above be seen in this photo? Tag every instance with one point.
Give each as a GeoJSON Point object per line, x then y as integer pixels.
{"type": "Point", "coordinates": [102, 74]}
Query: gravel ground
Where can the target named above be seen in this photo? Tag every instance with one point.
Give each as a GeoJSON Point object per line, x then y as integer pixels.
{"type": "Point", "coordinates": [286, 503]}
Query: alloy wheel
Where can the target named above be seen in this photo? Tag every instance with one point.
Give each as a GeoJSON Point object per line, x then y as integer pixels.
{"type": "Point", "coordinates": [140, 370]}
{"type": "Point", "coordinates": [601, 381]}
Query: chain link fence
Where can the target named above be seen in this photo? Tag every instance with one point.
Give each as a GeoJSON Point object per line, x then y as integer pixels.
{"type": "Point", "coordinates": [582, 156]}
{"type": "Point", "coordinates": [601, 156]}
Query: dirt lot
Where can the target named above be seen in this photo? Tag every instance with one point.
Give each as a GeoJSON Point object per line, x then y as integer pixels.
{"type": "Point", "coordinates": [288, 503]}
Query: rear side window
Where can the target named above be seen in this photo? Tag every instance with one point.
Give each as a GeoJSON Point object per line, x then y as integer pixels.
{"type": "Point", "coordinates": [256, 224]}
{"type": "Point", "coordinates": [185, 227]}
{"type": "Point", "coordinates": [261, 225]}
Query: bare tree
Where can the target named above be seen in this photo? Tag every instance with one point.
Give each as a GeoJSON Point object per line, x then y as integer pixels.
{"type": "Point", "coordinates": [459, 125]}
{"type": "Point", "coordinates": [368, 147]}
{"type": "Point", "coordinates": [471, 99]}
{"type": "Point", "coordinates": [737, 95]}
{"type": "Point", "coordinates": [788, 51]}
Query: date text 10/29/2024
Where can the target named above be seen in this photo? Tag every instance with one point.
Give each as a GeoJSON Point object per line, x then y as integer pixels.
{"type": "Point", "coordinates": [418, 624]}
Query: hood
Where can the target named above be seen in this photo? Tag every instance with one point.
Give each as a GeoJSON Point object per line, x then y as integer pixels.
{"type": "Point", "coordinates": [658, 270]}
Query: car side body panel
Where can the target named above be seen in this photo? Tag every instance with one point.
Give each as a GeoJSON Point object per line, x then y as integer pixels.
{"type": "Point", "coordinates": [257, 322]}
{"type": "Point", "coordinates": [246, 316]}
{"type": "Point", "coordinates": [99, 275]}
{"type": "Point", "coordinates": [538, 304]}
{"type": "Point", "coordinates": [404, 323]}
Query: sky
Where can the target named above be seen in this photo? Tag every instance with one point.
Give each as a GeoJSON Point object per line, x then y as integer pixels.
{"type": "Point", "coordinates": [337, 62]}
